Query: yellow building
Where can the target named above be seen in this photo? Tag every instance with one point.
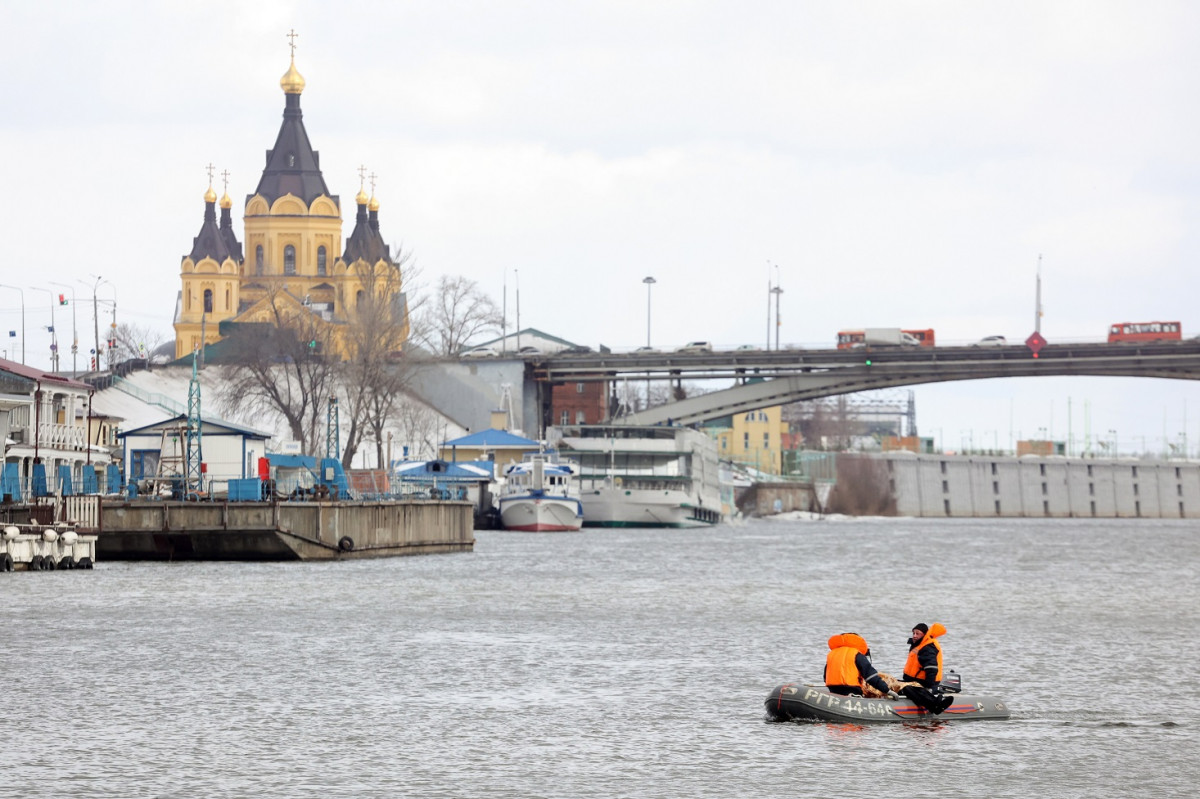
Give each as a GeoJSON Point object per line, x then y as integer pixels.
{"type": "Point", "coordinates": [294, 261]}
{"type": "Point", "coordinates": [754, 438]}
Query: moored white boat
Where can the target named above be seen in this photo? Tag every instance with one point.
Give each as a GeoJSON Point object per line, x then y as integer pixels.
{"type": "Point", "coordinates": [541, 494]}
{"type": "Point", "coordinates": [640, 503]}
{"type": "Point", "coordinates": [639, 476]}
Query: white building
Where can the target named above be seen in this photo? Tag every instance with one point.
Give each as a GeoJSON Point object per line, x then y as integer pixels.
{"type": "Point", "coordinates": [46, 419]}
{"type": "Point", "coordinates": [228, 451]}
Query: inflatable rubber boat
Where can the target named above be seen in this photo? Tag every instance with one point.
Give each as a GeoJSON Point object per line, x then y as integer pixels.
{"type": "Point", "coordinates": [799, 701]}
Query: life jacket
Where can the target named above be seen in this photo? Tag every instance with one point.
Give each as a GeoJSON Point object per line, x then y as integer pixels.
{"type": "Point", "coordinates": [912, 666]}
{"type": "Point", "coordinates": [840, 668]}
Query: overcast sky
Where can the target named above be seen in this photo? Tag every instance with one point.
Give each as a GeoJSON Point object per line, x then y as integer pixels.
{"type": "Point", "coordinates": [902, 163]}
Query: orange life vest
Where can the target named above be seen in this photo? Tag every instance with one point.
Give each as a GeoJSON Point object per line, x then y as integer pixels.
{"type": "Point", "coordinates": [912, 666]}
{"type": "Point", "coordinates": [839, 663]}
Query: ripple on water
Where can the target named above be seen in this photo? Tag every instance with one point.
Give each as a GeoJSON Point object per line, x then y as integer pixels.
{"type": "Point", "coordinates": [608, 663]}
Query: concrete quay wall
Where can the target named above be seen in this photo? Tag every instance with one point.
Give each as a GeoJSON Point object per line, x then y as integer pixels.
{"type": "Point", "coordinates": [760, 498]}
{"type": "Point", "coordinates": [989, 486]}
{"type": "Point", "coordinates": [158, 530]}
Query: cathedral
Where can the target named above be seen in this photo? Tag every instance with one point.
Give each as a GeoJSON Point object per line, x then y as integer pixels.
{"type": "Point", "coordinates": [293, 265]}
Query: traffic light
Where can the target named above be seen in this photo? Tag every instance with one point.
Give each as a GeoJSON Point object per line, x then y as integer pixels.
{"type": "Point", "coordinates": [868, 361]}
{"type": "Point", "coordinates": [62, 299]}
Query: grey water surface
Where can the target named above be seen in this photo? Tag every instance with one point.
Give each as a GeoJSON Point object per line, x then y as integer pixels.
{"type": "Point", "coordinates": [611, 663]}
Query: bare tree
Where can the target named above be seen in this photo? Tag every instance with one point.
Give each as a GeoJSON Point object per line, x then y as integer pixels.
{"type": "Point", "coordinates": [420, 428]}
{"type": "Point", "coordinates": [137, 341]}
{"type": "Point", "coordinates": [457, 312]}
{"type": "Point", "coordinates": [863, 488]}
{"type": "Point", "coordinates": [378, 365]}
{"type": "Point", "coordinates": [284, 363]}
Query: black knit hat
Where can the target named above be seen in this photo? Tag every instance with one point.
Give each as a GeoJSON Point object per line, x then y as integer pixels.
{"type": "Point", "coordinates": [922, 626]}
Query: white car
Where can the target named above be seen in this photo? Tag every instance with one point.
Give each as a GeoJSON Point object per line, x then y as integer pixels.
{"type": "Point", "coordinates": [696, 346]}
{"type": "Point", "coordinates": [991, 341]}
{"type": "Point", "coordinates": [480, 352]}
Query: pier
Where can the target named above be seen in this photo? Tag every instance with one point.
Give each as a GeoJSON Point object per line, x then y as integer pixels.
{"type": "Point", "coordinates": [281, 531]}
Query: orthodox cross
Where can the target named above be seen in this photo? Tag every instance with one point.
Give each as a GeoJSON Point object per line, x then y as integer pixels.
{"type": "Point", "coordinates": [291, 35]}
{"type": "Point", "coordinates": [210, 168]}
{"type": "Point", "coordinates": [225, 178]}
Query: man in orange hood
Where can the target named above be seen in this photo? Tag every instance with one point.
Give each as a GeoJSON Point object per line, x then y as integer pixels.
{"type": "Point", "coordinates": [924, 666]}
{"type": "Point", "coordinates": [848, 668]}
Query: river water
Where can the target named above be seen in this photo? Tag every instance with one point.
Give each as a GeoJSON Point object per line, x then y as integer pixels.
{"type": "Point", "coordinates": [611, 663]}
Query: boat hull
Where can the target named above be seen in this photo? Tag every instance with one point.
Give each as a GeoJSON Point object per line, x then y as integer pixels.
{"type": "Point", "coordinates": [799, 701]}
{"type": "Point", "coordinates": [620, 507]}
{"type": "Point", "coordinates": [541, 515]}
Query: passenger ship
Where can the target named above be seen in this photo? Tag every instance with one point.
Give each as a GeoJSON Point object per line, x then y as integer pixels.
{"type": "Point", "coordinates": [643, 476]}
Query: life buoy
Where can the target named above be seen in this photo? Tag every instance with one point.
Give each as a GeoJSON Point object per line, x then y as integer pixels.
{"type": "Point", "coordinates": [6, 562]}
{"type": "Point", "coordinates": [345, 543]}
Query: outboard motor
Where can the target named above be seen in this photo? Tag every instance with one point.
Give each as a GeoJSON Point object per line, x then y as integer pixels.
{"type": "Point", "coordinates": [952, 682]}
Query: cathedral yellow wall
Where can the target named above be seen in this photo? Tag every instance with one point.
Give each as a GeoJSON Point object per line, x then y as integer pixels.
{"type": "Point", "coordinates": [197, 278]}
{"type": "Point", "coordinates": [274, 228]}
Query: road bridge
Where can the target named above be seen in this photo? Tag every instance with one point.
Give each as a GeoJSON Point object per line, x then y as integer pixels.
{"type": "Point", "coordinates": [775, 377]}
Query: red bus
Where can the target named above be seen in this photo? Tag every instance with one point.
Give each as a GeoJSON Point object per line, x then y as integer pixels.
{"type": "Point", "coordinates": [1144, 331]}
{"type": "Point", "coordinates": [923, 336]}
{"type": "Point", "coordinates": [848, 339]}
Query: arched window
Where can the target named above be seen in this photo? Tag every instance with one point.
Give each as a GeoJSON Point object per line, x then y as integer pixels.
{"type": "Point", "coordinates": [289, 260]}
{"type": "Point", "coordinates": [321, 260]}
{"type": "Point", "coordinates": [227, 304]}
{"type": "Point", "coordinates": [358, 298]}
{"type": "Point", "coordinates": [208, 300]}
{"type": "Point", "coordinates": [258, 260]}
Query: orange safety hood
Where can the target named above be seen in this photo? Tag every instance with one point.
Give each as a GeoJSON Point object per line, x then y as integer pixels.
{"type": "Point", "coordinates": [852, 640]}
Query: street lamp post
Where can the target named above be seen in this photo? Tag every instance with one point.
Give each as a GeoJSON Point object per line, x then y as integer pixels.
{"type": "Point", "coordinates": [96, 316]}
{"type": "Point", "coordinates": [776, 291]}
{"type": "Point", "coordinates": [74, 329]}
{"type": "Point", "coordinates": [112, 335]}
{"type": "Point", "coordinates": [22, 292]}
{"type": "Point", "coordinates": [649, 281]}
{"type": "Point", "coordinates": [53, 333]}
{"type": "Point", "coordinates": [769, 289]}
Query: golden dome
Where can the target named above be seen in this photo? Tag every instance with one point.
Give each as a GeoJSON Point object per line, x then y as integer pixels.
{"type": "Point", "coordinates": [292, 82]}
{"type": "Point", "coordinates": [210, 196]}
{"type": "Point", "coordinates": [374, 206]}
{"type": "Point", "coordinates": [361, 197]}
{"type": "Point", "coordinates": [225, 201]}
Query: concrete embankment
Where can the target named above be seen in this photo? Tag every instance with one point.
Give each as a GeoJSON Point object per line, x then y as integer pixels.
{"type": "Point", "coordinates": [983, 486]}
{"type": "Point", "coordinates": [1005, 486]}
{"type": "Point", "coordinates": [161, 530]}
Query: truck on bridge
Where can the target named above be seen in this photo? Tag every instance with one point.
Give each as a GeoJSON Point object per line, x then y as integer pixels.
{"type": "Point", "coordinates": [883, 337]}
